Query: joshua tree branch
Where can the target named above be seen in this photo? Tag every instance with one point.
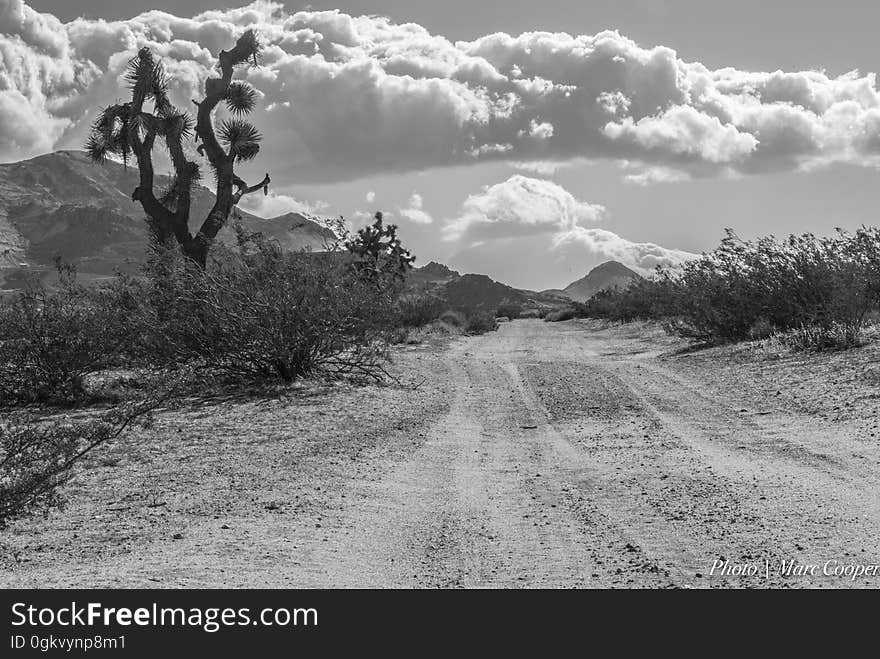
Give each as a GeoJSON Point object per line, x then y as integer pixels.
{"type": "Point", "coordinates": [244, 189]}
{"type": "Point", "coordinates": [215, 90]}
{"type": "Point", "coordinates": [144, 194]}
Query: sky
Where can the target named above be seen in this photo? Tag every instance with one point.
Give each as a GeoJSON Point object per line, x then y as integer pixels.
{"type": "Point", "coordinates": [528, 141]}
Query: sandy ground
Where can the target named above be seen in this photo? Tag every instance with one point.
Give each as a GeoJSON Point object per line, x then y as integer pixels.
{"type": "Point", "coordinates": [541, 455]}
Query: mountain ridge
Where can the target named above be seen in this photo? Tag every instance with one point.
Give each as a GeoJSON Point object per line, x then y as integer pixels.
{"type": "Point", "coordinates": [62, 204]}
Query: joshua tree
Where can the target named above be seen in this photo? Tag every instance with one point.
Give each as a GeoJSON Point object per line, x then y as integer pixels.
{"type": "Point", "coordinates": [378, 252]}
{"type": "Point", "coordinates": [129, 128]}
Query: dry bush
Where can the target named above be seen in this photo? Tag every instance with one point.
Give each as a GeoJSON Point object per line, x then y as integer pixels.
{"type": "Point", "coordinates": [271, 315]}
{"type": "Point", "coordinates": [820, 289]}
{"type": "Point", "coordinates": [453, 318]}
{"type": "Point", "coordinates": [645, 299]}
{"type": "Point", "coordinates": [480, 322]}
{"type": "Point", "coordinates": [50, 339]}
{"type": "Point", "coordinates": [827, 283]}
{"type": "Point", "coordinates": [258, 313]}
{"type": "Point", "coordinates": [254, 313]}
{"type": "Point", "coordinates": [559, 315]}
{"type": "Point", "coordinates": [512, 311]}
{"type": "Point", "coordinates": [418, 310]}
{"type": "Point", "coordinates": [807, 338]}
{"type": "Point", "coordinates": [37, 457]}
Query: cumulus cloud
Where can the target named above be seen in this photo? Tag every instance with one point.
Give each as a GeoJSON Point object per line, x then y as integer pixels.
{"type": "Point", "coordinates": [370, 197]}
{"type": "Point", "coordinates": [520, 206]}
{"type": "Point", "coordinates": [607, 245]}
{"type": "Point", "coordinates": [414, 211]}
{"type": "Point", "coordinates": [554, 221]}
{"type": "Point", "coordinates": [348, 96]}
{"type": "Point", "coordinates": [274, 205]}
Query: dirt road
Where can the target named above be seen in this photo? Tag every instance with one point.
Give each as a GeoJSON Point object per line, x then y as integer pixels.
{"type": "Point", "coordinates": [541, 455]}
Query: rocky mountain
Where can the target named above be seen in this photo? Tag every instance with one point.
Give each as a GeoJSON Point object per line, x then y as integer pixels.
{"type": "Point", "coordinates": [610, 274]}
{"type": "Point", "coordinates": [62, 204]}
{"type": "Point", "coordinates": [430, 275]}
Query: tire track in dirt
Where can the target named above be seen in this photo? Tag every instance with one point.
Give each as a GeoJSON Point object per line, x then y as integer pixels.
{"type": "Point", "coordinates": [727, 485]}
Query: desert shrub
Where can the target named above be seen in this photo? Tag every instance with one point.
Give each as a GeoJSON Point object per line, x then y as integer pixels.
{"type": "Point", "coordinates": [50, 339]}
{"type": "Point", "coordinates": [836, 336]}
{"type": "Point", "coordinates": [453, 318]}
{"type": "Point", "coordinates": [821, 289]}
{"type": "Point", "coordinates": [252, 312]}
{"type": "Point", "coordinates": [418, 310]}
{"type": "Point", "coordinates": [511, 311]}
{"type": "Point", "coordinates": [558, 315]}
{"type": "Point", "coordinates": [256, 312]}
{"type": "Point", "coordinates": [33, 463]}
{"type": "Point", "coordinates": [276, 315]}
{"type": "Point", "coordinates": [645, 299]}
{"type": "Point", "coordinates": [37, 457]}
{"type": "Point", "coordinates": [761, 329]}
{"type": "Point", "coordinates": [480, 322]}
{"type": "Point", "coordinates": [828, 283]}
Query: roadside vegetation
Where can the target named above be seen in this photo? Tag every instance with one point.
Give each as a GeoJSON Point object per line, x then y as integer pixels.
{"type": "Point", "coordinates": [808, 292]}
{"type": "Point", "coordinates": [250, 317]}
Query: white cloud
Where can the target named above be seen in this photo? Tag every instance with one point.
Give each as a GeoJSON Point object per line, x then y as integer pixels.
{"type": "Point", "coordinates": [414, 212]}
{"type": "Point", "coordinates": [349, 96]}
{"type": "Point", "coordinates": [371, 197]}
{"type": "Point", "coordinates": [650, 175]}
{"type": "Point", "coordinates": [520, 206]}
{"type": "Point", "coordinates": [560, 227]}
{"type": "Point", "coordinates": [274, 205]}
{"type": "Point", "coordinates": [607, 245]}
{"type": "Point", "coordinates": [684, 131]}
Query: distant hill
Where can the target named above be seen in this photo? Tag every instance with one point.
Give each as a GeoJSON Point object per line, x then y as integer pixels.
{"type": "Point", "coordinates": [475, 292]}
{"type": "Point", "coordinates": [471, 292]}
{"type": "Point", "coordinates": [62, 204]}
{"type": "Point", "coordinates": [431, 274]}
{"type": "Point", "coordinates": [610, 274]}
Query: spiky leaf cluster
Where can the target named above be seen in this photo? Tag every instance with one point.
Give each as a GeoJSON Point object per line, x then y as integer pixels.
{"type": "Point", "coordinates": [247, 49]}
{"type": "Point", "coordinates": [147, 81]}
{"type": "Point", "coordinates": [110, 134]}
{"type": "Point", "coordinates": [378, 252]}
{"type": "Point", "coordinates": [241, 138]}
{"type": "Point", "coordinates": [118, 126]}
{"type": "Point", "coordinates": [241, 98]}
